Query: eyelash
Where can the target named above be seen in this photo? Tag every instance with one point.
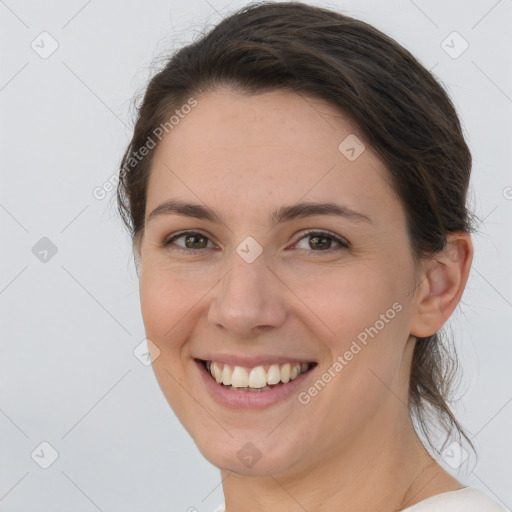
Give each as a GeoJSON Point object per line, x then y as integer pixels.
{"type": "Point", "coordinates": [343, 244]}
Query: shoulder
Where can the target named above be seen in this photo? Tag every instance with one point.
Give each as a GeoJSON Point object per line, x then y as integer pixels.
{"type": "Point", "coordinates": [468, 499]}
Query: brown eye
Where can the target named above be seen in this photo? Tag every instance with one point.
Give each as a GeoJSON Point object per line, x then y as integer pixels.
{"type": "Point", "coordinates": [191, 240]}
{"type": "Point", "coordinates": [195, 241]}
{"type": "Point", "coordinates": [319, 241]}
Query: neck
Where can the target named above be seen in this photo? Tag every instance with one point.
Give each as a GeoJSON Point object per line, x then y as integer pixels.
{"type": "Point", "coordinates": [383, 469]}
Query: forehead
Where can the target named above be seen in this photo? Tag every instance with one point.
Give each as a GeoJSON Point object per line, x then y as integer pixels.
{"type": "Point", "coordinates": [253, 151]}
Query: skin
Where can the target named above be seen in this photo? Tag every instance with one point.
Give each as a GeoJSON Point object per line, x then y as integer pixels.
{"type": "Point", "coordinates": [352, 447]}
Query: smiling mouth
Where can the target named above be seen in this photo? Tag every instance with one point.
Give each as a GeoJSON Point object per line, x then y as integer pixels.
{"type": "Point", "coordinates": [256, 379]}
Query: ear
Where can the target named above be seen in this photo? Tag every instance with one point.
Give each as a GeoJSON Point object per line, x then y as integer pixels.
{"type": "Point", "coordinates": [442, 282]}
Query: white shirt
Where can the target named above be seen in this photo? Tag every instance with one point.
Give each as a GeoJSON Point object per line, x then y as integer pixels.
{"type": "Point", "coordinates": [468, 499]}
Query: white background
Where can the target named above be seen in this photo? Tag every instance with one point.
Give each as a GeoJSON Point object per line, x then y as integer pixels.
{"type": "Point", "coordinates": [70, 325]}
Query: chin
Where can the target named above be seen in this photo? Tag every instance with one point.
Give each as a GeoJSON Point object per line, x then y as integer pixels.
{"type": "Point", "coordinates": [257, 459]}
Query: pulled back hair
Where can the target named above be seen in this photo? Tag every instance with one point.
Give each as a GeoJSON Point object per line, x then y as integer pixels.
{"type": "Point", "coordinates": [402, 112]}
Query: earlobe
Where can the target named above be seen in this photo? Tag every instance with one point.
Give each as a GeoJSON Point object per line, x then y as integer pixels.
{"type": "Point", "coordinates": [443, 282]}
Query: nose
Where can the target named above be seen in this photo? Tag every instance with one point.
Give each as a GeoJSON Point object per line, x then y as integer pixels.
{"type": "Point", "coordinates": [249, 300]}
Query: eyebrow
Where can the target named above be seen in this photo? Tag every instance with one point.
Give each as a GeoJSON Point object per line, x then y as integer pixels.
{"type": "Point", "coordinates": [282, 214]}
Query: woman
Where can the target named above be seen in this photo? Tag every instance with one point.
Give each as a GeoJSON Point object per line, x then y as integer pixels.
{"type": "Point", "coordinates": [296, 193]}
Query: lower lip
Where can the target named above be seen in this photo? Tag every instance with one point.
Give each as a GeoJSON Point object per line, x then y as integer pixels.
{"type": "Point", "coordinates": [249, 399]}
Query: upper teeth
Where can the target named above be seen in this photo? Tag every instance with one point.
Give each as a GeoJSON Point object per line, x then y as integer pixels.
{"type": "Point", "coordinates": [257, 377]}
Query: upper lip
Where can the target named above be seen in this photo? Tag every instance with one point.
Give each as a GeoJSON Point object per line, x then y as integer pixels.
{"type": "Point", "coordinates": [251, 362]}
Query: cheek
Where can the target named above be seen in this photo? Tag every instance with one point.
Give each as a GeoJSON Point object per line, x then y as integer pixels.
{"type": "Point", "coordinates": [348, 300]}
{"type": "Point", "coordinates": [367, 311]}
{"type": "Point", "coordinates": [167, 300]}
{"type": "Point", "coordinates": [166, 312]}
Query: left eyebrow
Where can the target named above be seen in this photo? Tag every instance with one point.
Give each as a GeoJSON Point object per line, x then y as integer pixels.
{"type": "Point", "coordinates": [308, 209]}
{"type": "Point", "coordinates": [281, 215]}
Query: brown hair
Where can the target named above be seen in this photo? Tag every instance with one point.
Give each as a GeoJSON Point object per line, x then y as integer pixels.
{"type": "Point", "coordinates": [402, 112]}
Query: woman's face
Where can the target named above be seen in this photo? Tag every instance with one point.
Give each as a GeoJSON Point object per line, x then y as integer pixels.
{"type": "Point", "coordinates": [260, 278]}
